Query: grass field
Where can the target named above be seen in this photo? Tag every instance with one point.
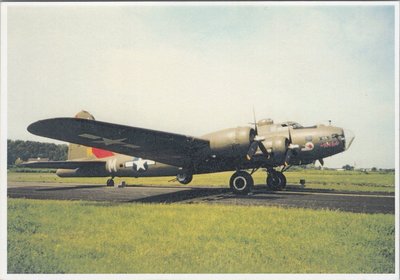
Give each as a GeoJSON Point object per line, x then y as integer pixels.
{"type": "Point", "coordinates": [315, 179]}
{"type": "Point", "coordinates": [95, 237]}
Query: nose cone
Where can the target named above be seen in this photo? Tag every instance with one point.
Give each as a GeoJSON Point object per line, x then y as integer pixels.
{"type": "Point", "coordinates": [348, 138]}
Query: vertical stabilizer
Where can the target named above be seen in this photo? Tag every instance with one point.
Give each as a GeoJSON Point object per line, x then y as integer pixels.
{"type": "Point", "coordinates": [78, 151]}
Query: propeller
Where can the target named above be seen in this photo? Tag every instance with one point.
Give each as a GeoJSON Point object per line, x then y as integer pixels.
{"type": "Point", "coordinates": [291, 149]}
{"type": "Point", "coordinates": [252, 150]}
{"type": "Point", "coordinates": [257, 142]}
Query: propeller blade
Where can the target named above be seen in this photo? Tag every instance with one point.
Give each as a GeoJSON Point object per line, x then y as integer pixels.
{"type": "Point", "coordinates": [290, 147]}
{"type": "Point", "coordinates": [252, 150]}
{"type": "Point", "coordinates": [290, 136]}
{"type": "Point", "coordinates": [255, 121]}
{"type": "Point", "coordinates": [288, 156]}
{"type": "Point", "coordinates": [263, 149]}
{"type": "Point", "coordinates": [257, 141]}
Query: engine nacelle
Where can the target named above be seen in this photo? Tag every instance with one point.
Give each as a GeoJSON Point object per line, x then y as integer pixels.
{"type": "Point", "coordinates": [231, 142]}
{"type": "Point", "coordinates": [277, 146]}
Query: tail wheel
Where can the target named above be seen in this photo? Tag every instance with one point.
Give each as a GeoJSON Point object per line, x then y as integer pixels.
{"type": "Point", "coordinates": [184, 178]}
{"type": "Point", "coordinates": [276, 180]}
{"type": "Point", "coordinates": [110, 183]}
{"type": "Point", "coordinates": [241, 182]}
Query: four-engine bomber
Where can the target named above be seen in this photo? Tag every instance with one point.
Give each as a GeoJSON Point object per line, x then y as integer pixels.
{"type": "Point", "coordinates": [100, 149]}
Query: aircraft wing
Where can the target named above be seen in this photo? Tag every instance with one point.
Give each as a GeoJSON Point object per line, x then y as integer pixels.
{"type": "Point", "coordinates": [164, 147]}
{"type": "Point", "coordinates": [62, 164]}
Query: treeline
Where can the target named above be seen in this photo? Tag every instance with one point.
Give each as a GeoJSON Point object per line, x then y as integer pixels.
{"type": "Point", "coordinates": [23, 150]}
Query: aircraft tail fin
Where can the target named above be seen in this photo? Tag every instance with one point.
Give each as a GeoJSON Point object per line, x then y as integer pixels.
{"type": "Point", "coordinates": [78, 151]}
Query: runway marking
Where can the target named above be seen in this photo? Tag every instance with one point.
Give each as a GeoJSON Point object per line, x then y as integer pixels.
{"type": "Point", "coordinates": [338, 194]}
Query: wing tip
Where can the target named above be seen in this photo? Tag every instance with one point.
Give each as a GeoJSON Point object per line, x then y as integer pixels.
{"type": "Point", "coordinates": [33, 127]}
{"type": "Point", "coordinates": [45, 125]}
{"type": "Point", "coordinates": [40, 128]}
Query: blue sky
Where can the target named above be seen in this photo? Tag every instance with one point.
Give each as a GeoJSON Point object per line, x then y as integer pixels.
{"type": "Point", "coordinates": [193, 69]}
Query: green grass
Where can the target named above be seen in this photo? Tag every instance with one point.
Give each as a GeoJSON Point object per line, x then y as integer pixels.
{"type": "Point", "coordinates": [344, 180]}
{"type": "Point", "coordinates": [315, 179]}
{"type": "Point", "coordinates": [99, 237]}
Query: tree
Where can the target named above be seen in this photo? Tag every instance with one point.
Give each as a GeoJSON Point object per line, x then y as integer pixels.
{"type": "Point", "coordinates": [24, 150]}
{"type": "Point", "coordinates": [348, 167]}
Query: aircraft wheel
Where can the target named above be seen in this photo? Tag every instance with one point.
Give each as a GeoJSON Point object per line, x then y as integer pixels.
{"type": "Point", "coordinates": [110, 183]}
{"type": "Point", "coordinates": [241, 182]}
{"type": "Point", "coordinates": [274, 181]}
{"type": "Point", "coordinates": [282, 178]}
{"type": "Point", "coordinates": [184, 178]}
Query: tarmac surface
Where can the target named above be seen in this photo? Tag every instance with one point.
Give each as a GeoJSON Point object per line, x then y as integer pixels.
{"type": "Point", "coordinates": [293, 196]}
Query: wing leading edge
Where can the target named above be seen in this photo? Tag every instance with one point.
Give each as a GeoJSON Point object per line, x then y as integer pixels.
{"type": "Point", "coordinates": [169, 148]}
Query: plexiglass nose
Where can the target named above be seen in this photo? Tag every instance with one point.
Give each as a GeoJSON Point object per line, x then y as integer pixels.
{"type": "Point", "coordinates": [348, 138]}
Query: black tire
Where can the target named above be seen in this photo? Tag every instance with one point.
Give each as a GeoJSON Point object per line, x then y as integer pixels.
{"type": "Point", "coordinates": [274, 181]}
{"type": "Point", "coordinates": [241, 182]}
{"type": "Point", "coordinates": [110, 183]}
{"type": "Point", "coordinates": [184, 178]}
{"type": "Point", "coordinates": [282, 178]}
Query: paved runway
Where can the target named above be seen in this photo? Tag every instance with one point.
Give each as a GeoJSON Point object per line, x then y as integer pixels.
{"type": "Point", "coordinates": [360, 202]}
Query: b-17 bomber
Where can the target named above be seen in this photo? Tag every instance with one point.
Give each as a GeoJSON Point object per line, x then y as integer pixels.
{"type": "Point", "coordinates": [101, 149]}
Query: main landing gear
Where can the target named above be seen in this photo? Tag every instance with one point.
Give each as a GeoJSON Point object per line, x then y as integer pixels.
{"type": "Point", "coordinates": [241, 181]}
{"type": "Point", "coordinates": [276, 180]}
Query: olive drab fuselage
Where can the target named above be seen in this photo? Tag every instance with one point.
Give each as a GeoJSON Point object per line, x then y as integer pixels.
{"type": "Point", "coordinates": [100, 149]}
{"type": "Point", "coordinates": [228, 149]}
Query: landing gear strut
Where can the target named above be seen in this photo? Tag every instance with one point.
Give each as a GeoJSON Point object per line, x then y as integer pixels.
{"type": "Point", "coordinates": [110, 182]}
{"type": "Point", "coordinates": [241, 182]}
{"type": "Point", "coordinates": [276, 180]}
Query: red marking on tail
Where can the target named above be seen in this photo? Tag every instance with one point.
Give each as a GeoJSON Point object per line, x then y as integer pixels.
{"type": "Point", "coordinates": [99, 153]}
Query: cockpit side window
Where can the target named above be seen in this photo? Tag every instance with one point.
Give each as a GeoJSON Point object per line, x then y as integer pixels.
{"type": "Point", "coordinates": [303, 127]}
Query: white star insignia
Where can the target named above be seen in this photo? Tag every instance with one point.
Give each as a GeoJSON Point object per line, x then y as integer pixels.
{"type": "Point", "coordinates": [140, 164]}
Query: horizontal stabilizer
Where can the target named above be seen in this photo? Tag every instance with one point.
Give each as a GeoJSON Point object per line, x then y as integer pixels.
{"type": "Point", "coordinates": [63, 164]}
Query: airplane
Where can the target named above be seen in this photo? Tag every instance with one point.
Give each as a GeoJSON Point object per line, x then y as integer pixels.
{"type": "Point", "coordinates": [101, 149]}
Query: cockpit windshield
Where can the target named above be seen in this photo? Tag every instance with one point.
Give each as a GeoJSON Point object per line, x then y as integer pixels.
{"type": "Point", "coordinates": [294, 125]}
